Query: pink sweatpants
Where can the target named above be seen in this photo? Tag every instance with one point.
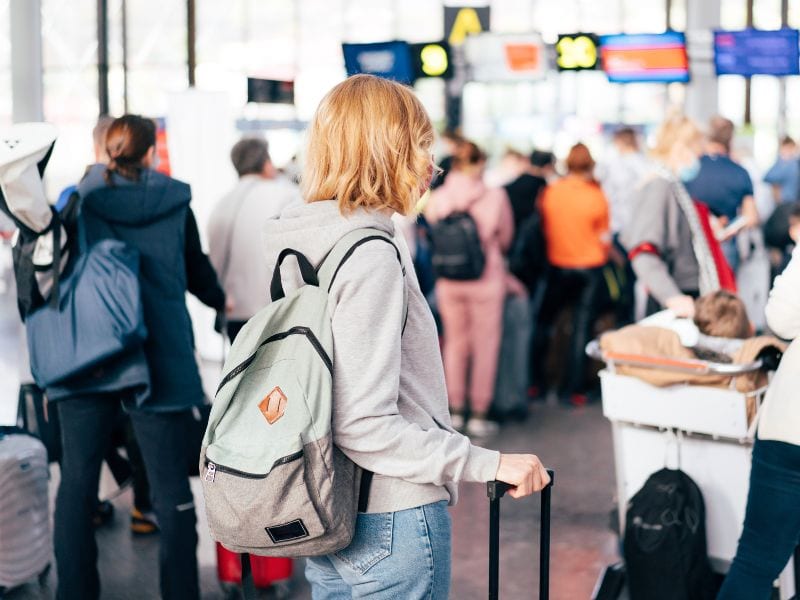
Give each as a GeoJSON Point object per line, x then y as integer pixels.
{"type": "Point", "coordinates": [472, 317]}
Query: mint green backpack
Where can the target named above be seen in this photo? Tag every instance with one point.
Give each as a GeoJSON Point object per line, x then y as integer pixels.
{"type": "Point", "coordinates": [274, 482]}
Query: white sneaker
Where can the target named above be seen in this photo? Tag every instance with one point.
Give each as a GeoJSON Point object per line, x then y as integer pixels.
{"type": "Point", "coordinates": [457, 421]}
{"type": "Point", "coordinates": [482, 428]}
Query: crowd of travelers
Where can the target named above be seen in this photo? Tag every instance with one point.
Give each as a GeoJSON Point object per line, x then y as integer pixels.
{"type": "Point", "coordinates": [507, 284]}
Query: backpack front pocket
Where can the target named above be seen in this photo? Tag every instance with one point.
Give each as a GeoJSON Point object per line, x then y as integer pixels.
{"type": "Point", "coordinates": [262, 511]}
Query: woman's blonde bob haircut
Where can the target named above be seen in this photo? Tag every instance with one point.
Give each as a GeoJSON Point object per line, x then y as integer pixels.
{"type": "Point", "coordinates": [369, 146]}
{"type": "Point", "coordinates": [677, 130]}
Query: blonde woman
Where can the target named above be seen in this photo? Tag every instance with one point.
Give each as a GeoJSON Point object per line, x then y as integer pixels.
{"type": "Point", "coordinates": [369, 158]}
{"type": "Point", "coordinates": [665, 238]}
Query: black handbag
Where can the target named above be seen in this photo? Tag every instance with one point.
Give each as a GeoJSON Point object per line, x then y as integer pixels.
{"type": "Point", "coordinates": [197, 429]}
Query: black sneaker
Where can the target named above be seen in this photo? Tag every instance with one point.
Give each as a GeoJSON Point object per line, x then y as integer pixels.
{"type": "Point", "coordinates": [103, 514]}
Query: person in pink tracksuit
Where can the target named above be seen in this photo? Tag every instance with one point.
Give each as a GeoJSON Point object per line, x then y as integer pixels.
{"type": "Point", "coordinates": [472, 311]}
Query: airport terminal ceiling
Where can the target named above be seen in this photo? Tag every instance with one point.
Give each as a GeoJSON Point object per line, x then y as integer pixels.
{"type": "Point", "coordinates": [300, 41]}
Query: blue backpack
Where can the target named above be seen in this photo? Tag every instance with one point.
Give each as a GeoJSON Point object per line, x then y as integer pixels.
{"type": "Point", "coordinates": [95, 314]}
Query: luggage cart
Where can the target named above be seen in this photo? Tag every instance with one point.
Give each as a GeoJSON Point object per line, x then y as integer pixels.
{"type": "Point", "coordinates": [702, 430]}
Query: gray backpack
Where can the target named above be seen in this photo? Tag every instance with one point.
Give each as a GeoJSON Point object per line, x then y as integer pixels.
{"type": "Point", "coordinates": [274, 482]}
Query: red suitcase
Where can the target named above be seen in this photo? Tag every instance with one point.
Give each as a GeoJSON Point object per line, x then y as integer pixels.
{"type": "Point", "coordinates": [268, 572]}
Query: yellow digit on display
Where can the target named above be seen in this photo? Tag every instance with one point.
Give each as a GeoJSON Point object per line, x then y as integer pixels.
{"type": "Point", "coordinates": [585, 52]}
{"type": "Point", "coordinates": [576, 52]}
{"type": "Point", "coordinates": [566, 53]}
{"type": "Point", "coordinates": [434, 60]}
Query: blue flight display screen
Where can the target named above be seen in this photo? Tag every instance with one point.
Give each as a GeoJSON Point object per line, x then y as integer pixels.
{"type": "Point", "coordinates": [757, 52]}
{"type": "Point", "coordinates": [391, 60]}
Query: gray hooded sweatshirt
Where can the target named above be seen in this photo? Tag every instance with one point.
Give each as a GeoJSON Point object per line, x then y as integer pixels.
{"type": "Point", "coordinates": [390, 410]}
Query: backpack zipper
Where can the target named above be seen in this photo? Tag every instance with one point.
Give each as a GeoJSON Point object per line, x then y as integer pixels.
{"type": "Point", "coordinates": [300, 330]}
{"type": "Point", "coordinates": [212, 468]}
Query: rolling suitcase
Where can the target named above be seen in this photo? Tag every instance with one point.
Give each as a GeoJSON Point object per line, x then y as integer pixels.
{"type": "Point", "coordinates": [25, 542]}
{"type": "Point", "coordinates": [496, 490]}
{"type": "Point", "coordinates": [511, 386]}
{"type": "Point", "coordinates": [265, 572]}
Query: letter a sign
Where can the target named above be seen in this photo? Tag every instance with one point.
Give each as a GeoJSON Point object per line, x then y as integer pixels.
{"type": "Point", "coordinates": [461, 21]}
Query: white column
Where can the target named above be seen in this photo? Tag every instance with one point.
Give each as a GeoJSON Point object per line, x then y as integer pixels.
{"type": "Point", "coordinates": [26, 60]}
{"type": "Point", "coordinates": [702, 16]}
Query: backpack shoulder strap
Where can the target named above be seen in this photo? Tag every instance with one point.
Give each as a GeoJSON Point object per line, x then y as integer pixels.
{"type": "Point", "coordinates": [326, 273]}
{"type": "Point", "coordinates": [330, 266]}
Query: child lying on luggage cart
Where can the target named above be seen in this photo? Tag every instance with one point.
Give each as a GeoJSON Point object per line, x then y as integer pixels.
{"type": "Point", "coordinates": [718, 330]}
{"type": "Point", "coordinates": [719, 335]}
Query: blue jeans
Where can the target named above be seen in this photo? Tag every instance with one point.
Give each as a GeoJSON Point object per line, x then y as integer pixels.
{"type": "Point", "coordinates": [404, 554]}
{"type": "Point", "coordinates": [771, 522]}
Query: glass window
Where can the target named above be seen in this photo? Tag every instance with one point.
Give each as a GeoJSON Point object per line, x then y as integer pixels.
{"type": "Point", "coordinates": [5, 64]}
{"type": "Point", "coordinates": [156, 54]}
{"type": "Point", "coordinates": [601, 17]}
{"type": "Point", "coordinates": [69, 56]}
{"type": "Point", "coordinates": [511, 16]}
{"type": "Point", "coordinates": [643, 17]}
{"type": "Point", "coordinates": [419, 20]}
{"type": "Point", "coordinates": [731, 97]}
{"type": "Point", "coordinates": [244, 38]}
{"type": "Point", "coordinates": [678, 15]}
{"type": "Point", "coordinates": [552, 18]}
{"type": "Point", "coordinates": [793, 106]}
{"type": "Point", "coordinates": [733, 14]}
{"type": "Point", "coordinates": [374, 25]}
{"type": "Point", "coordinates": [767, 14]}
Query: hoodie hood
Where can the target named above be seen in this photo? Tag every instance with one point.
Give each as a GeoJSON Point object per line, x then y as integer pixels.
{"type": "Point", "coordinates": [314, 228]}
{"type": "Point", "coordinates": [457, 194]}
{"type": "Point", "coordinates": [132, 203]}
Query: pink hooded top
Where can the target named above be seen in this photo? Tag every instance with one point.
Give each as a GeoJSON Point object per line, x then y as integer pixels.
{"type": "Point", "coordinates": [491, 210]}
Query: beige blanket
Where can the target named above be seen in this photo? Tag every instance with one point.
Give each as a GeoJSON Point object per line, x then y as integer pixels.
{"type": "Point", "coordinates": [665, 345]}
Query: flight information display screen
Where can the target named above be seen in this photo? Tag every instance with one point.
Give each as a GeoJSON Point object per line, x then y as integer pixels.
{"type": "Point", "coordinates": [391, 60]}
{"type": "Point", "coordinates": [757, 52]}
{"type": "Point", "coordinates": [633, 58]}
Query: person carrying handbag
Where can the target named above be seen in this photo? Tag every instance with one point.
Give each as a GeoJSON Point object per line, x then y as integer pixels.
{"type": "Point", "coordinates": [127, 201]}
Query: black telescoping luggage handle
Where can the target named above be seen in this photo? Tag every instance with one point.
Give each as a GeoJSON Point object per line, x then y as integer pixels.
{"type": "Point", "coordinates": [496, 490]}
{"type": "Point", "coordinates": [306, 270]}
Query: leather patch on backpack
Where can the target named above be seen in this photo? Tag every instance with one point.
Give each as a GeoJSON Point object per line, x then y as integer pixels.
{"type": "Point", "coordinates": [273, 405]}
{"type": "Point", "coordinates": [293, 530]}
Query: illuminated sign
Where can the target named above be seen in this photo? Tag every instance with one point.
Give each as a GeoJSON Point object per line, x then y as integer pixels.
{"type": "Point", "coordinates": [506, 57]}
{"type": "Point", "coordinates": [162, 150]}
{"type": "Point", "coordinates": [391, 60]}
{"type": "Point", "coordinates": [462, 21]}
{"type": "Point", "coordinates": [270, 91]}
{"type": "Point", "coordinates": [658, 57]}
{"type": "Point", "coordinates": [577, 52]}
{"type": "Point", "coordinates": [432, 60]}
{"type": "Point", "coordinates": [755, 52]}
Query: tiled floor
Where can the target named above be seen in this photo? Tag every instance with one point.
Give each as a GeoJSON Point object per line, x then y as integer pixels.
{"type": "Point", "coordinates": [577, 443]}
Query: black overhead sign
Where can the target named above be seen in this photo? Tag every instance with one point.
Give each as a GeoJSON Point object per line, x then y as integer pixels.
{"type": "Point", "coordinates": [270, 91]}
{"type": "Point", "coordinates": [577, 52]}
{"type": "Point", "coordinates": [431, 60]}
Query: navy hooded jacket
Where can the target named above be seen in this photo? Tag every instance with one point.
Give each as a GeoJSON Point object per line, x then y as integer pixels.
{"type": "Point", "coordinates": [153, 216]}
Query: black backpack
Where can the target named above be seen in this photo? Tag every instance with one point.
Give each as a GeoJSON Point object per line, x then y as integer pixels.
{"type": "Point", "coordinates": [527, 259]}
{"type": "Point", "coordinates": [457, 250]}
{"type": "Point", "coordinates": [776, 229]}
{"type": "Point", "coordinates": [665, 541]}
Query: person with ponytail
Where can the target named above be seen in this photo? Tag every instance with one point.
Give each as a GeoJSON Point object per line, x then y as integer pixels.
{"type": "Point", "coordinates": [127, 200]}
